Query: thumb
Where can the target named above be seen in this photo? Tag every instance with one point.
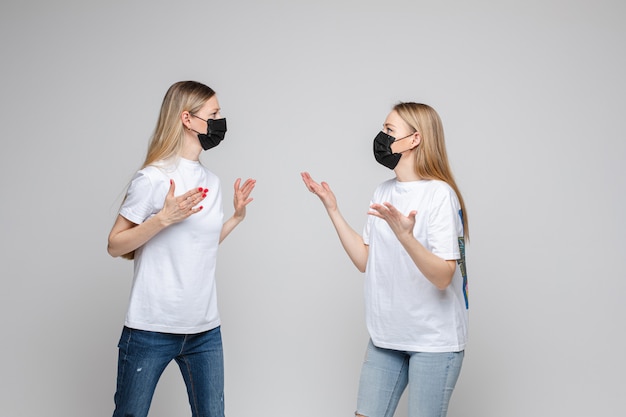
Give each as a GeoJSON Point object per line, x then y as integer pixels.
{"type": "Point", "coordinates": [172, 187]}
{"type": "Point", "coordinates": [412, 215]}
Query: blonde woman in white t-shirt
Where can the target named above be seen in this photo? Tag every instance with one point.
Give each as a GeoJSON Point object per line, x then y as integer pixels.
{"type": "Point", "coordinates": [173, 238]}
{"type": "Point", "coordinates": [412, 252]}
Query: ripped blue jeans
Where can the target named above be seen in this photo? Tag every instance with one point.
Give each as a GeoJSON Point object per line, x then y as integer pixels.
{"type": "Point", "coordinates": [144, 355]}
{"type": "Point", "coordinates": [386, 373]}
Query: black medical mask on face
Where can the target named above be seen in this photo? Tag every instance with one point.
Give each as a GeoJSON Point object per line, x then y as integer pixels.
{"type": "Point", "coordinates": [216, 130]}
{"type": "Point", "coordinates": [382, 150]}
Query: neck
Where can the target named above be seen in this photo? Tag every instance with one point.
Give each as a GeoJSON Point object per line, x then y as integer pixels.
{"type": "Point", "coordinates": [405, 171]}
{"type": "Point", "coordinates": [191, 147]}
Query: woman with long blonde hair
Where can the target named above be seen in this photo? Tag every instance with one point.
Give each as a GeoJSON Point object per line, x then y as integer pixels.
{"type": "Point", "coordinates": [173, 238]}
{"type": "Point", "coordinates": [412, 251]}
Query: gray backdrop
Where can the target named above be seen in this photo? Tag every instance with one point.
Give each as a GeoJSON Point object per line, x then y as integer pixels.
{"type": "Point", "coordinates": [532, 97]}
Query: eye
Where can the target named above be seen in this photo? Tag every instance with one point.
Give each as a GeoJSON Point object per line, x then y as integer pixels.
{"type": "Point", "coordinates": [388, 130]}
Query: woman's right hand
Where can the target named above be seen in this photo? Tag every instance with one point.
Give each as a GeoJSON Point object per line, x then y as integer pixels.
{"type": "Point", "coordinates": [176, 209]}
{"type": "Point", "coordinates": [127, 236]}
{"type": "Point", "coordinates": [322, 190]}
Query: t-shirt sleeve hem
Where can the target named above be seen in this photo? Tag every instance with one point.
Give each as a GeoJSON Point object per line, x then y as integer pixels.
{"type": "Point", "coordinates": [130, 217]}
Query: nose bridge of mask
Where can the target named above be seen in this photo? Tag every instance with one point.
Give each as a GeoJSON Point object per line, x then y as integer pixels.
{"type": "Point", "coordinates": [216, 125]}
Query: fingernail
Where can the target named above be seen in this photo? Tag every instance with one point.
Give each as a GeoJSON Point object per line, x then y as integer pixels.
{"type": "Point", "coordinates": [206, 190]}
{"type": "Point", "coordinates": [199, 188]}
{"type": "Point", "coordinates": [203, 195]}
{"type": "Point", "coordinates": [200, 208]}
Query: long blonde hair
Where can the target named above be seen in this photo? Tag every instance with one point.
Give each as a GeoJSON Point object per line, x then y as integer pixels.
{"type": "Point", "coordinates": [431, 158]}
{"type": "Point", "coordinates": [167, 140]}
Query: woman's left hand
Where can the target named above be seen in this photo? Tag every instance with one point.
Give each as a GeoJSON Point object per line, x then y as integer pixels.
{"type": "Point", "coordinates": [400, 224]}
{"type": "Point", "coordinates": [242, 197]}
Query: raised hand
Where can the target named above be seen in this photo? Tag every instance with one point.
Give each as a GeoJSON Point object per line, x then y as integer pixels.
{"type": "Point", "coordinates": [242, 197]}
{"type": "Point", "coordinates": [176, 209]}
{"type": "Point", "coordinates": [399, 223]}
{"type": "Point", "coordinates": [322, 190]}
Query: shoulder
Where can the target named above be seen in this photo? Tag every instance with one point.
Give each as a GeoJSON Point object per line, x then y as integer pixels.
{"type": "Point", "coordinates": [440, 186]}
{"type": "Point", "coordinates": [441, 191]}
{"type": "Point", "coordinates": [152, 172]}
{"type": "Point", "coordinates": [148, 179]}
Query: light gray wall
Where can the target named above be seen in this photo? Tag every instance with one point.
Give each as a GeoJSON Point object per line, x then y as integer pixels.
{"type": "Point", "coordinates": [532, 97]}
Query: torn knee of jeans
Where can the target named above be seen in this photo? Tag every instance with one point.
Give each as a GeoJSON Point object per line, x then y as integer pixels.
{"type": "Point", "coordinates": [357, 414]}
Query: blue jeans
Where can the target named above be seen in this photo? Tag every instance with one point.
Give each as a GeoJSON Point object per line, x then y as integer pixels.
{"type": "Point", "coordinates": [385, 374]}
{"type": "Point", "coordinates": [143, 356]}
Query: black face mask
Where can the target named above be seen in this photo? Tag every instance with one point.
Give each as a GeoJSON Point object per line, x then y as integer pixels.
{"type": "Point", "coordinates": [216, 130]}
{"type": "Point", "coordinates": [382, 150]}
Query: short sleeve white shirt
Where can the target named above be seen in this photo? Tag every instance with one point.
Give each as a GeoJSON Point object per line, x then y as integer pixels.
{"type": "Point", "coordinates": [174, 288]}
{"type": "Point", "coordinates": [404, 310]}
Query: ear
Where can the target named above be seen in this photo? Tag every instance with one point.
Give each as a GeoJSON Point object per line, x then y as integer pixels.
{"type": "Point", "coordinates": [185, 118]}
{"type": "Point", "coordinates": [416, 139]}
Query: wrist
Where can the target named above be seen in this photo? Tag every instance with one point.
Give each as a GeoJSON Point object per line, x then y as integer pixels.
{"type": "Point", "coordinates": [238, 218]}
{"type": "Point", "coordinates": [161, 220]}
{"type": "Point", "coordinates": [406, 238]}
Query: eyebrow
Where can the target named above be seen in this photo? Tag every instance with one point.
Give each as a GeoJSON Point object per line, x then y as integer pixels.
{"type": "Point", "coordinates": [388, 124]}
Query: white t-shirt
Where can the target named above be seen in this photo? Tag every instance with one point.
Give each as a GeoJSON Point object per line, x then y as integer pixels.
{"type": "Point", "coordinates": [404, 310]}
{"type": "Point", "coordinates": [174, 287]}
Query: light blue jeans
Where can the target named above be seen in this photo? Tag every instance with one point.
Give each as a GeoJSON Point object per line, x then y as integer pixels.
{"type": "Point", "coordinates": [143, 356]}
{"type": "Point", "coordinates": [385, 374]}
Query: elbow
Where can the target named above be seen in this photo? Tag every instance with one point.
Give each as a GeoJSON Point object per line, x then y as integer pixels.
{"type": "Point", "coordinates": [361, 266]}
{"type": "Point", "coordinates": [112, 252]}
{"type": "Point", "coordinates": [443, 282]}
{"type": "Point", "coordinates": [445, 276]}
{"type": "Point", "coordinates": [441, 286]}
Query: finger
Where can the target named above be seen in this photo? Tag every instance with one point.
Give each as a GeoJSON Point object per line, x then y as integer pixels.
{"type": "Point", "coordinates": [308, 180]}
{"type": "Point", "coordinates": [190, 194]}
{"type": "Point", "coordinates": [248, 186]}
{"type": "Point", "coordinates": [170, 192]}
{"type": "Point", "coordinates": [237, 182]}
{"type": "Point", "coordinates": [244, 194]}
{"type": "Point", "coordinates": [195, 210]}
{"type": "Point", "coordinates": [309, 184]}
{"type": "Point", "coordinates": [378, 208]}
{"type": "Point", "coordinates": [375, 214]}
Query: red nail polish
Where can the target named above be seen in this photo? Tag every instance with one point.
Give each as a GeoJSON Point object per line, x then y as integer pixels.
{"type": "Point", "coordinates": [203, 195]}
{"type": "Point", "coordinates": [199, 188]}
{"type": "Point", "coordinates": [200, 208]}
{"type": "Point", "coordinates": [206, 190]}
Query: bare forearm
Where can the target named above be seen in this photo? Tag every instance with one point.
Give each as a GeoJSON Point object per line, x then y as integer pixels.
{"type": "Point", "coordinates": [437, 270]}
{"type": "Point", "coordinates": [351, 241]}
{"type": "Point", "coordinates": [228, 226]}
{"type": "Point", "coordinates": [129, 239]}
